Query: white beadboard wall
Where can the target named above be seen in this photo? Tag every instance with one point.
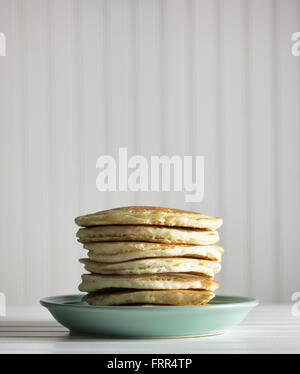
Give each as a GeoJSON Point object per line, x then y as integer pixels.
{"type": "Point", "coordinates": [177, 77]}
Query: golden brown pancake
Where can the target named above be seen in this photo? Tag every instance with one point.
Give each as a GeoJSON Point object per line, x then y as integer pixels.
{"type": "Point", "coordinates": [124, 251]}
{"type": "Point", "coordinates": [147, 215]}
{"type": "Point", "coordinates": [95, 282]}
{"type": "Point", "coordinates": [168, 235]}
{"type": "Point", "coordinates": [160, 297]}
{"type": "Point", "coordinates": [154, 265]}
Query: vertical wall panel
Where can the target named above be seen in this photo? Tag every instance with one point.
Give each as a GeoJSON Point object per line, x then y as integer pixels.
{"type": "Point", "coordinates": [176, 94]}
{"type": "Point", "coordinates": [16, 247]}
{"type": "Point", "coordinates": [11, 156]}
{"type": "Point", "coordinates": [261, 239]}
{"type": "Point", "coordinates": [287, 148]}
{"type": "Point", "coordinates": [232, 162]}
{"type": "Point", "coordinates": [149, 98]}
{"type": "Point", "coordinates": [5, 19]}
{"type": "Point", "coordinates": [36, 151]}
{"type": "Point", "coordinates": [65, 150]}
{"type": "Point", "coordinates": [121, 84]}
{"type": "Point", "coordinates": [204, 34]}
{"type": "Point", "coordinates": [93, 118]}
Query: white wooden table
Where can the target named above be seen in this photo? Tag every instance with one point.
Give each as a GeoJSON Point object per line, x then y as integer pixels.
{"type": "Point", "coordinates": [267, 329]}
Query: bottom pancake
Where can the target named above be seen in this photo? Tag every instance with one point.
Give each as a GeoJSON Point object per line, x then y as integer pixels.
{"type": "Point", "coordinates": [169, 281]}
{"type": "Point", "coordinates": [153, 297]}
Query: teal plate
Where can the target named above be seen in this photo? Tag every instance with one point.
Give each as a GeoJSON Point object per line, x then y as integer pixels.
{"type": "Point", "coordinates": [221, 314]}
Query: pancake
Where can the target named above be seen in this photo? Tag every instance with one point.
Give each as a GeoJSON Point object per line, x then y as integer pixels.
{"type": "Point", "coordinates": [124, 251]}
{"type": "Point", "coordinates": [165, 297]}
{"type": "Point", "coordinates": [147, 215]}
{"type": "Point", "coordinates": [95, 282]}
{"type": "Point", "coordinates": [146, 233]}
{"type": "Point", "coordinates": [154, 265]}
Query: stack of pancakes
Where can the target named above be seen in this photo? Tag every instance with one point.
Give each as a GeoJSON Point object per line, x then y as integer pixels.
{"type": "Point", "coordinates": [149, 255]}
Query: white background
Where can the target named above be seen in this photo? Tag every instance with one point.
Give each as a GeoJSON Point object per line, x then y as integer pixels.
{"type": "Point", "coordinates": [213, 78]}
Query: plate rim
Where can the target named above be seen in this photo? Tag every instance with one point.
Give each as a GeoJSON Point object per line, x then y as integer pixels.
{"type": "Point", "coordinates": [49, 302]}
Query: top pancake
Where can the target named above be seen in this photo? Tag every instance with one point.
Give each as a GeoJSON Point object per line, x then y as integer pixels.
{"type": "Point", "coordinates": [147, 215]}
